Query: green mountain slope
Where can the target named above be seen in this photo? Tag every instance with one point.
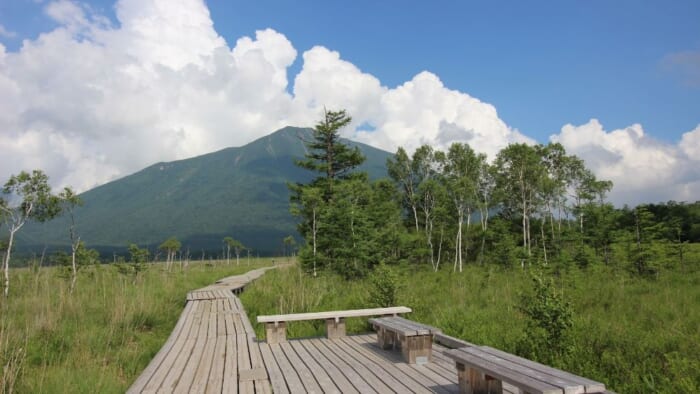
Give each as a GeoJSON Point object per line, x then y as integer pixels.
{"type": "Point", "coordinates": [239, 192]}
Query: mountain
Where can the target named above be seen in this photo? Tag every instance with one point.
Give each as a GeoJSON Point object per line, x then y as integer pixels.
{"type": "Point", "coordinates": [239, 192]}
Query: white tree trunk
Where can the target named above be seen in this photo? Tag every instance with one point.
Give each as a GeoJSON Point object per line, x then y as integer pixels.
{"type": "Point", "coordinates": [6, 263]}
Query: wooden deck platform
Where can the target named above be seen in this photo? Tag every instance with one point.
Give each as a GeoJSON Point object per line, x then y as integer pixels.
{"type": "Point", "coordinates": [353, 364]}
{"type": "Point", "coordinates": [213, 349]}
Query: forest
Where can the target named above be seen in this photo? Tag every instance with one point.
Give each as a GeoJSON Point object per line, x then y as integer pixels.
{"type": "Point", "coordinates": [533, 205]}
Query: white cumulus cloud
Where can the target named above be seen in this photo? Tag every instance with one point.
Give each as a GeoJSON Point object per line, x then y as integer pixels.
{"type": "Point", "coordinates": [94, 100]}
{"type": "Point", "coordinates": [641, 168]}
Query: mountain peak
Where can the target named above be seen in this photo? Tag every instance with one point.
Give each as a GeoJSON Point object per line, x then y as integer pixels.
{"type": "Point", "coordinates": [240, 192]}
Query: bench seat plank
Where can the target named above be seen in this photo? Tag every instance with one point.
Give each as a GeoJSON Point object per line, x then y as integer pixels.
{"type": "Point", "coordinates": [333, 314]}
{"type": "Point", "coordinates": [589, 385]}
{"type": "Point", "coordinates": [531, 385]}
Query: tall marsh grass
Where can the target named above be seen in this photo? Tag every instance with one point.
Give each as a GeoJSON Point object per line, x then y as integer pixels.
{"type": "Point", "coordinates": [638, 335]}
{"type": "Point", "coordinates": [101, 337]}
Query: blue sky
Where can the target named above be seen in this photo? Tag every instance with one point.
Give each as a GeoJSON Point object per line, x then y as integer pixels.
{"type": "Point", "coordinates": [115, 85]}
{"type": "Point", "coordinates": [541, 63]}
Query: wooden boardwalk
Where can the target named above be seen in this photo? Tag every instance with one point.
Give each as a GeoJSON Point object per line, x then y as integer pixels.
{"type": "Point", "coordinates": [213, 349]}
{"type": "Point", "coordinates": [353, 364]}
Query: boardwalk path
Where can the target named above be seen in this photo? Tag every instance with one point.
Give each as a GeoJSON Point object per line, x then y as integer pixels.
{"type": "Point", "coordinates": [213, 349]}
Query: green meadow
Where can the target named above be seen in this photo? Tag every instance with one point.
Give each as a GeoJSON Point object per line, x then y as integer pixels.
{"type": "Point", "coordinates": [636, 334]}
{"type": "Point", "coordinates": [100, 338]}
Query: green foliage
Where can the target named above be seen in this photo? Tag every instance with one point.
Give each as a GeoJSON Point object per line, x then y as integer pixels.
{"type": "Point", "coordinates": [98, 339]}
{"type": "Point", "coordinates": [549, 320]}
{"type": "Point", "coordinates": [384, 286]}
{"type": "Point", "coordinates": [633, 334]}
{"type": "Point", "coordinates": [138, 262]}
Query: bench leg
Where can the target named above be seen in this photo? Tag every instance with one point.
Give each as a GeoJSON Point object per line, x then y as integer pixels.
{"type": "Point", "coordinates": [335, 329]}
{"type": "Point", "coordinates": [417, 349]}
{"type": "Point", "coordinates": [276, 332]}
{"type": "Point", "coordinates": [473, 381]}
{"type": "Point", "coordinates": [386, 339]}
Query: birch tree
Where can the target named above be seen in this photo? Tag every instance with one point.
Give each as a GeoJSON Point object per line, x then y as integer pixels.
{"type": "Point", "coordinates": [170, 246]}
{"type": "Point", "coordinates": [518, 175]}
{"type": "Point", "coordinates": [69, 201]}
{"type": "Point", "coordinates": [28, 197]}
{"type": "Point", "coordinates": [461, 168]}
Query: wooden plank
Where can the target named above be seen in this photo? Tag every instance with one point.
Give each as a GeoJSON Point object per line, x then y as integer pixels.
{"type": "Point", "coordinates": [230, 383]}
{"type": "Point", "coordinates": [590, 386]}
{"type": "Point", "coordinates": [191, 366]}
{"type": "Point", "coordinates": [221, 317]}
{"type": "Point", "coordinates": [396, 384]}
{"type": "Point", "coordinates": [531, 369]}
{"type": "Point", "coordinates": [180, 330]}
{"type": "Point", "coordinates": [495, 369]}
{"type": "Point", "coordinates": [173, 364]}
{"type": "Point", "coordinates": [380, 382]}
{"type": "Point", "coordinates": [307, 378]}
{"type": "Point", "coordinates": [416, 379]}
{"type": "Point", "coordinates": [331, 370]}
{"type": "Point", "coordinates": [290, 374]}
{"type": "Point", "coordinates": [314, 367]}
{"type": "Point", "coordinates": [411, 323]}
{"type": "Point", "coordinates": [394, 326]}
{"type": "Point", "coordinates": [381, 367]}
{"type": "Point", "coordinates": [343, 369]}
{"type": "Point", "coordinates": [273, 370]}
{"type": "Point", "coordinates": [216, 375]}
{"type": "Point", "coordinates": [451, 342]}
{"type": "Point", "coordinates": [333, 314]}
{"type": "Point", "coordinates": [243, 363]}
{"type": "Point", "coordinates": [201, 377]}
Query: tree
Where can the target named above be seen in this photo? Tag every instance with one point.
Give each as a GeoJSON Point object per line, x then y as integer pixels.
{"type": "Point", "coordinates": [34, 202]}
{"type": "Point", "coordinates": [237, 247]}
{"type": "Point", "coordinates": [138, 260]}
{"type": "Point", "coordinates": [308, 204]}
{"type": "Point", "coordinates": [315, 203]}
{"type": "Point", "coordinates": [170, 246]}
{"type": "Point", "coordinates": [228, 241]}
{"type": "Point", "coordinates": [461, 169]}
{"type": "Point", "coordinates": [289, 244]}
{"type": "Point", "coordinates": [328, 155]}
{"type": "Point", "coordinates": [518, 172]}
{"type": "Point", "coordinates": [69, 201]}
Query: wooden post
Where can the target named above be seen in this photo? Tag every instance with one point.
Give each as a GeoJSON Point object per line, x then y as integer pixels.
{"type": "Point", "coordinates": [386, 339]}
{"type": "Point", "coordinates": [276, 332]}
{"type": "Point", "coordinates": [473, 381]}
{"type": "Point", "coordinates": [417, 349]}
{"type": "Point", "coordinates": [335, 328]}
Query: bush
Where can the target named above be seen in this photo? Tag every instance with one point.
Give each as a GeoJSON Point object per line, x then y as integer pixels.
{"type": "Point", "coordinates": [383, 286]}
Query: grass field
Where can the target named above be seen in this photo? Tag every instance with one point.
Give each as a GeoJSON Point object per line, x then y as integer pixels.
{"type": "Point", "coordinates": [100, 338]}
{"type": "Point", "coordinates": [637, 335]}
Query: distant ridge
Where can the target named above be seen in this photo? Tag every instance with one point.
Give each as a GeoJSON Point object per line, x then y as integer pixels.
{"type": "Point", "coordinates": [239, 192]}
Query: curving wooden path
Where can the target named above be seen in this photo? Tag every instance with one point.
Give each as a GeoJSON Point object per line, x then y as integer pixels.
{"type": "Point", "coordinates": [212, 348]}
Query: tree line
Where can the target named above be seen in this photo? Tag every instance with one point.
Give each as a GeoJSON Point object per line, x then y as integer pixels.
{"type": "Point", "coordinates": [531, 204]}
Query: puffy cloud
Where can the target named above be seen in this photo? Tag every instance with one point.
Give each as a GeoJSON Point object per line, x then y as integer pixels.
{"type": "Point", "coordinates": [91, 101]}
{"type": "Point", "coordinates": [421, 111]}
{"type": "Point", "coordinates": [641, 168]}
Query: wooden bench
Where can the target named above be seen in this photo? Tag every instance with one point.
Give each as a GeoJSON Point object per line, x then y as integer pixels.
{"type": "Point", "coordinates": [482, 369]}
{"type": "Point", "coordinates": [415, 339]}
{"type": "Point", "coordinates": [276, 325]}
